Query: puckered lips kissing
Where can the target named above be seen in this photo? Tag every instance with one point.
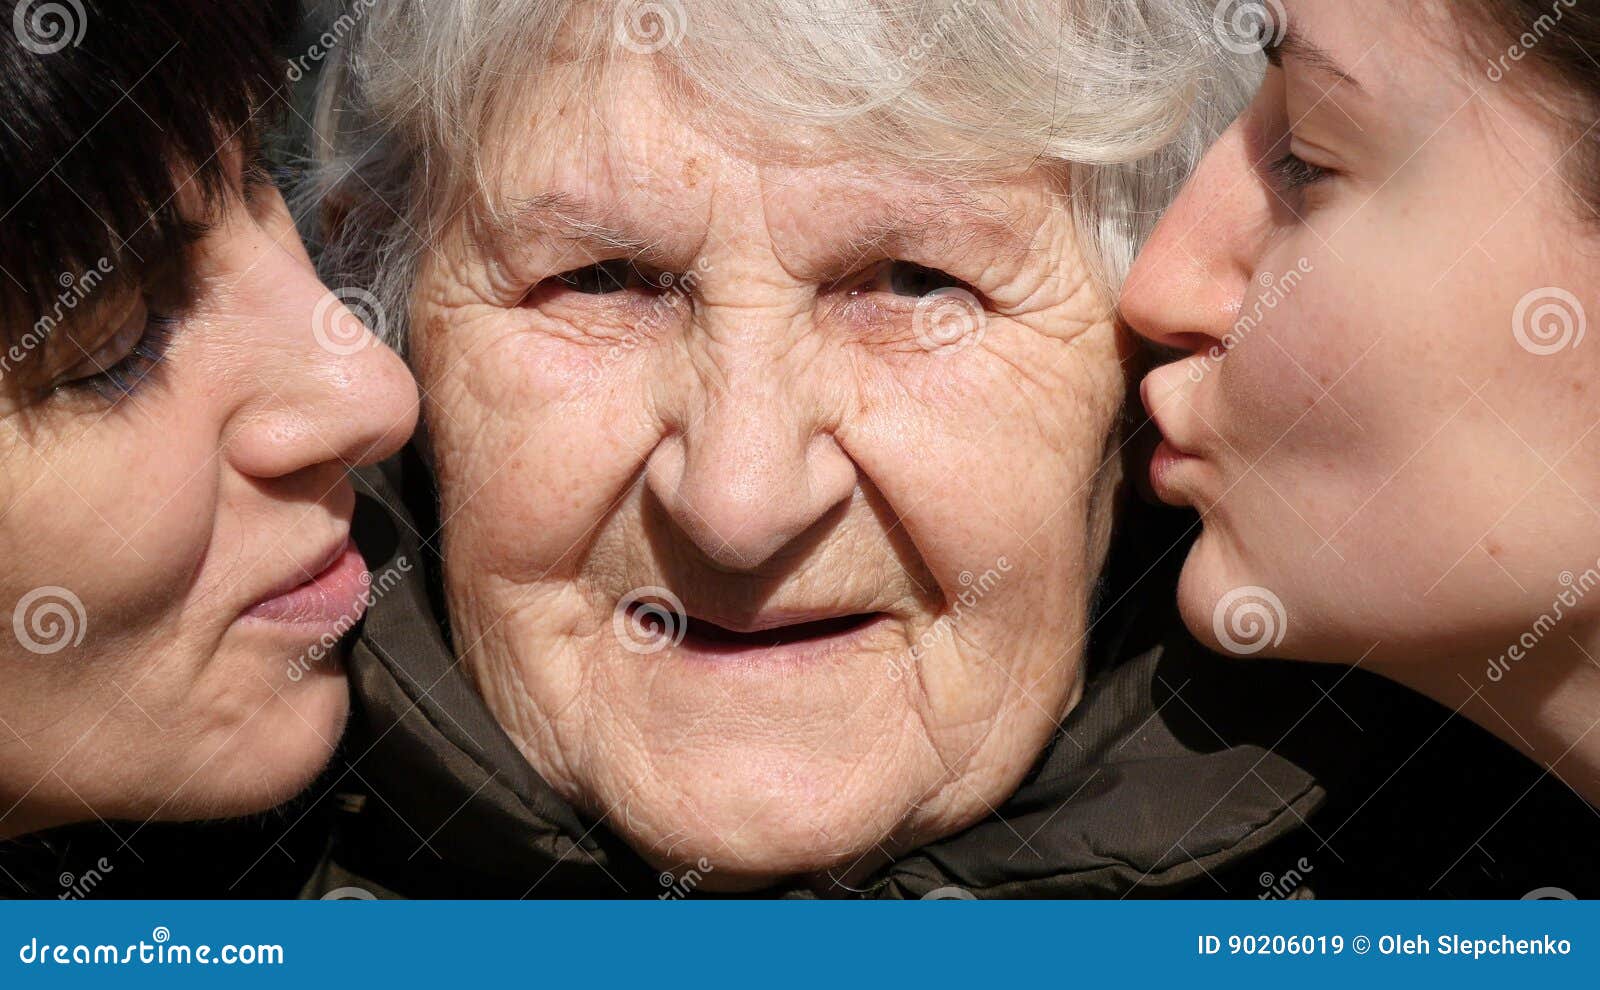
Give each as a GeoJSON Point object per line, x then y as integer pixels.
{"type": "Point", "coordinates": [321, 591]}
{"type": "Point", "coordinates": [1174, 460]}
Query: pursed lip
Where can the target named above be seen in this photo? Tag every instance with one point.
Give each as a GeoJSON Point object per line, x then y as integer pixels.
{"type": "Point", "coordinates": [1171, 456]}
{"type": "Point", "coordinates": [1158, 414]}
{"type": "Point", "coordinates": [308, 570]}
{"type": "Point", "coordinates": [325, 589]}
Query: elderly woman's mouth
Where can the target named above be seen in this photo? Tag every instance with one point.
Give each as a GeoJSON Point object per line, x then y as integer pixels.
{"type": "Point", "coordinates": [789, 636]}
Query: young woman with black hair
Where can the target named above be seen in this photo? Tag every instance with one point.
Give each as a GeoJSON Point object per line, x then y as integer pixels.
{"type": "Point", "coordinates": [180, 400]}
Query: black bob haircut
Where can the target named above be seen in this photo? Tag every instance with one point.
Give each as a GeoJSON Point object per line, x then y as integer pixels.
{"type": "Point", "coordinates": [105, 107]}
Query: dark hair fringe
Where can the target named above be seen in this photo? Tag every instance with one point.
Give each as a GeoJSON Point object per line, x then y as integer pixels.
{"type": "Point", "coordinates": [95, 138]}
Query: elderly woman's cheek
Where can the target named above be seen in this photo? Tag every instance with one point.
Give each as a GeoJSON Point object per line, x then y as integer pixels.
{"type": "Point", "coordinates": [537, 434]}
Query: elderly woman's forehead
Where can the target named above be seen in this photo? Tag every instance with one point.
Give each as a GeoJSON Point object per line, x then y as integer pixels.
{"type": "Point", "coordinates": [629, 133]}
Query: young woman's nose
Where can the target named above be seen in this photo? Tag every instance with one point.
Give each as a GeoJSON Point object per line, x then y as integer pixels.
{"type": "Point", "coordinates": [325, 390]}
{"type": "Point", "coordinates": [1186, 288]}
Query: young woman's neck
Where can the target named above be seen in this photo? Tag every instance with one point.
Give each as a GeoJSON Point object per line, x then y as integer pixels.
{"type": "Point", "coordinates": [1542, 699]}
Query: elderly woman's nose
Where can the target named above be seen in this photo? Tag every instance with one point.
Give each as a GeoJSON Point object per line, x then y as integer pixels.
{"type": "Point", "coordinates": [749, 473]}
{"type": "Point", "coordinates": [328, 390]}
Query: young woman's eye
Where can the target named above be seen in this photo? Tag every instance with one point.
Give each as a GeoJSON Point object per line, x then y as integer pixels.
{"type": "Point", "coordinates": [606, 277]}
{"type": "Point", "coordinates": [904, 278]}
{"type": "Point", "coordinates": [116, 368]}
{"type": "Point", "coordinates": [1292, 173]}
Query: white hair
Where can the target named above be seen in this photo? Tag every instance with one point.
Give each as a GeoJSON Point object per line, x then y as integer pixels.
{"type": "Point", "coordinates": [1121, 96]}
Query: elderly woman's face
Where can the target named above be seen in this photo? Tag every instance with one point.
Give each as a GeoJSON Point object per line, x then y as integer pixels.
{"type": "Point", "coordinates": [854, 424]}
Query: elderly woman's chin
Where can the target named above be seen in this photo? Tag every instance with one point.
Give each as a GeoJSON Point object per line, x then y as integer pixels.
{"type": "Point", "coordinates": [756, 761]}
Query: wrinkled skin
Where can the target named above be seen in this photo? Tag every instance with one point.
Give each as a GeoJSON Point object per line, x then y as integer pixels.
{"type": "Point", "coordinates": [768, 439]}
{"type": "Point", "coordinates": [166, 514]}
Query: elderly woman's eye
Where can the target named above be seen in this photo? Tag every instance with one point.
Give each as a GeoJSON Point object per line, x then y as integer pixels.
{"type": "Point", "coordinates": [606, 277]}
{"type": "Point", "coordinates": [904, 278]}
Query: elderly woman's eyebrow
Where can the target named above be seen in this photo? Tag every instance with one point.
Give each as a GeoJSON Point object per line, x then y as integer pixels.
{"type": "Point", "coordinates": [943, 227]}
{"type": "Point", "coordinates": [564, 216]}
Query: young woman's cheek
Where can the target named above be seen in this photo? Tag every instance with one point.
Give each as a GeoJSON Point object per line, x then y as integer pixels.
{"type": "Point", "coordinates": [123, 544]}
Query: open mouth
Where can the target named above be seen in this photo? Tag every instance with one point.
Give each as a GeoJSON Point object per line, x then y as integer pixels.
{"type": "Point", "coordinates": [660, 624]}
{"type": "Point", "coordinates": [709, 636]}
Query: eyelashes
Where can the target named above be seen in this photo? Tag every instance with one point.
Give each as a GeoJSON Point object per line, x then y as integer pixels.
{"type": "Point", "coordinates": [1291, 173]}
{"type": "Point", "coordinates": [125, 377]}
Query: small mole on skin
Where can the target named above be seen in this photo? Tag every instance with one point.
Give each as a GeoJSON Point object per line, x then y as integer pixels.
{"type": "Point", "coordinates": [691, 171]}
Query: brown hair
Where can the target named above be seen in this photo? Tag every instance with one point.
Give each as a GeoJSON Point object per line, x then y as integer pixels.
{"type": "Point", "coordinates": [1545, 46]}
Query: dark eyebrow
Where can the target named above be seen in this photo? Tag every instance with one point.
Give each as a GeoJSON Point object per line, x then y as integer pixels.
{"type": "Point", "coordinates": [1286, 41]}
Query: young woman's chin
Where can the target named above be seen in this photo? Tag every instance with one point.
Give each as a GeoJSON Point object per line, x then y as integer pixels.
{"type": "Point", "coordinates": [277, 740]}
